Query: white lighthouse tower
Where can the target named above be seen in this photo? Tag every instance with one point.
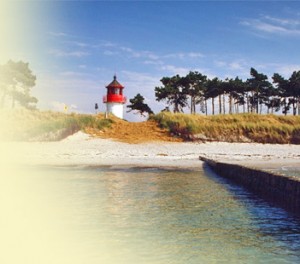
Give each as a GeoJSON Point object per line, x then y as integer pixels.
{"type": "Point", "coordinates": [114, 98]}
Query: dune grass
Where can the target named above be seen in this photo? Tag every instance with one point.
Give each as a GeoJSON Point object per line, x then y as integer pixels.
{"type": "Point", "coordinates": [36, 125]}
{"type": "Point", "coordinates": [233, 128]}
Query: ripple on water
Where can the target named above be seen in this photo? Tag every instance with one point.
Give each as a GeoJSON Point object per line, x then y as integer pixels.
{"type": "Point", "coordinates": [149, 215]}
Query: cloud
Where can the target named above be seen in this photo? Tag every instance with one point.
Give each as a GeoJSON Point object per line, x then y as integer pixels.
{"type": "Point", "coordinates": [220, 63]}
{"type": "Point", "coordinates": [184, 55]}
{"type": "Point", "coordinates": [195, 55]}
{"type": "Point", "coordinates": [241, 68]}
{"type": "Point", "coordinates": [286, 70]}
{"type": "Point", "coordinates": [75, 74]}
{"type": "Point", "coordinates": [236, 65]}
{"type": "Point", "coordinates": [139, 53]}
{"type": "Point", "coordinates": [112, 49]}
{"type": "Point", "coordinates": [80, 44]}
{"type": "Point", "coordinates": [231, 68]}
{"type": "Point", "coordinates": [153, 62]}
{"type": "Point", "coordinates": [139, 77]}
{"type": "Point", "coordinates": [62, 107]}
{"type": "Point", "coordinates": [175, 70]}
{"type": "Point", "coordinates": [285, 22]}
{"type": "Point", "coordinates": [273, 25]}
{"type": "Point", "coordinates": [107, 44]}
{"type": "Point", "coordinates": [62, 53]}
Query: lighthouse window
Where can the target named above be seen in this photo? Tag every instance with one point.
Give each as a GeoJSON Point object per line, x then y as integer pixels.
{"type": "Point", "coordinates": [116, 91]}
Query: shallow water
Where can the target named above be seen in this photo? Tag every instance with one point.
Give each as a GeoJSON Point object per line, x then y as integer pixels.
{"type": "Point", "coordinates": [150, 215]}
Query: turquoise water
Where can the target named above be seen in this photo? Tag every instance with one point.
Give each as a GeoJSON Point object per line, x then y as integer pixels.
{"type": "Point", "coordinates": [151, 215]}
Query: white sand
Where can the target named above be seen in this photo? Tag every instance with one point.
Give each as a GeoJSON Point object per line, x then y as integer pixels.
{"type": "Point", "coordinates": [81, 149]}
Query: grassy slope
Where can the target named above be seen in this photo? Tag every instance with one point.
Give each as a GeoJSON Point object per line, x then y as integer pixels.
{"type": "Point", "coordinates": [27, 125]}
{"type": "Point", "coordinates": [49, 126]}
{"type": "Point", "coordinates": [233, 128]}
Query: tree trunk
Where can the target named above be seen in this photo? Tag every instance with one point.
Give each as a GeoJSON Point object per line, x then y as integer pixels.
{"type": "Point", "coordinates": [224, 104]}
{"type": "Point", "coordinates": [248, 104]}
{"type": "Point", "coordinates": [194, 105]}
{"type": "Point", "coordinates": [294, 106]}
{"type": "Point", "coordinates": [213, 105]}
{"type": "Point", "coordinates": [220, 104]}
{"type": "Point", "coordinates": [260, 109]}
{"type": "Point", "coordinates": [205, 104]}
{"type": "Point", "coordinates": [285, 107]}
{"type": "Point", "coordinates": [257, 102]}
{"type": "Point", "coordinates": [230, 104]}
{"type": "Point", "coordinates": [237, 110]}
{"type": "Point", "coordinates": [176, 108]}
{"type": "Point", "coordinates": [253, 102]}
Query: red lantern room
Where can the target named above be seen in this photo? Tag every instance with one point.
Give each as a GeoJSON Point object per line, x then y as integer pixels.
{"type": "Point", "coordinates": [114, 98]}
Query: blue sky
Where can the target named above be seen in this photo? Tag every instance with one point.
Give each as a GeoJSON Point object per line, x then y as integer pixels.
{"type": "Point", "coordinates": [75, 47]}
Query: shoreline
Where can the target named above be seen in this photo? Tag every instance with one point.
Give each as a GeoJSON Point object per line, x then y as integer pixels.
{"type": "Point", "coordinates": [81, 149]}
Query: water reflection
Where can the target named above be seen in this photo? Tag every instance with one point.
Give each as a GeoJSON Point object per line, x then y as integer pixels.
{"type": "Point", "coordinates": [278, 230]}
{"type": "Point", "coordinates": [148, 215]}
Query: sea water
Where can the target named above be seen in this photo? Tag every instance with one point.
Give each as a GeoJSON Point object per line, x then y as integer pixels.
{"type": "Point", "coordinates": [157, 215]}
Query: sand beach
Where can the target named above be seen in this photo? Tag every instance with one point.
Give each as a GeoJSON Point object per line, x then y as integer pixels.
{"type": "Point", "coordinates": [82, 149]}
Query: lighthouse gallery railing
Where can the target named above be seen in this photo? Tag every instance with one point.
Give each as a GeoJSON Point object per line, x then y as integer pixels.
{"type": "Point", "coordinates": [114, 98]}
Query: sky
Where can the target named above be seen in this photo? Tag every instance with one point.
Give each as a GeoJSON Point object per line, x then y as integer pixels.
{"type": "Point", "coordinates": [75, 47]}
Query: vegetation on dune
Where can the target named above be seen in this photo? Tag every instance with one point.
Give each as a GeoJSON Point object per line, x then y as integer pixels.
{"type": "Point", "coordinates": [22, 124]}
{"type": "Point", "coordinates": [232, 128]}
{"type": "Point", "coordinates": [35, 125]}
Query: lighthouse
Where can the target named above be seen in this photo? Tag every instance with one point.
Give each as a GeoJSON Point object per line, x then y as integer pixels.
{"type": "Point", "coordinates": [114, 98]}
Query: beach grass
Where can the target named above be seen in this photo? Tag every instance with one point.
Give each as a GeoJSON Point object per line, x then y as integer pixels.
{"type": "Point", "coordinates": [232, 128]}
{"type": "Point", "coordinates": [34, 125]}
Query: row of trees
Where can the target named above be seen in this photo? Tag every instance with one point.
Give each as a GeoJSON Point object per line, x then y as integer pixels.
{"type": "Point", "coordinates": [253, 95]}
{"type": "Point", "coordinates": [16, 82]}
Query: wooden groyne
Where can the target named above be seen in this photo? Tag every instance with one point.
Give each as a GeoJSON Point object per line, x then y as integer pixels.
{"type": "Point", "coordinates": [279, 189]}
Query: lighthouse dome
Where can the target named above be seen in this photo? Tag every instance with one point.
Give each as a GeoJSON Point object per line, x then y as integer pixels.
{"type": "Point", "coordinates": [115, 84]}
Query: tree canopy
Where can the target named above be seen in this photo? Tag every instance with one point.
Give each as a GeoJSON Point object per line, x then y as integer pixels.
{"type": "Point", "coordinates": [16, 82]}
{"type": "Point", "coordinates": [137, 104]}
{"type": "Point", "coordinates": [173, 91]}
